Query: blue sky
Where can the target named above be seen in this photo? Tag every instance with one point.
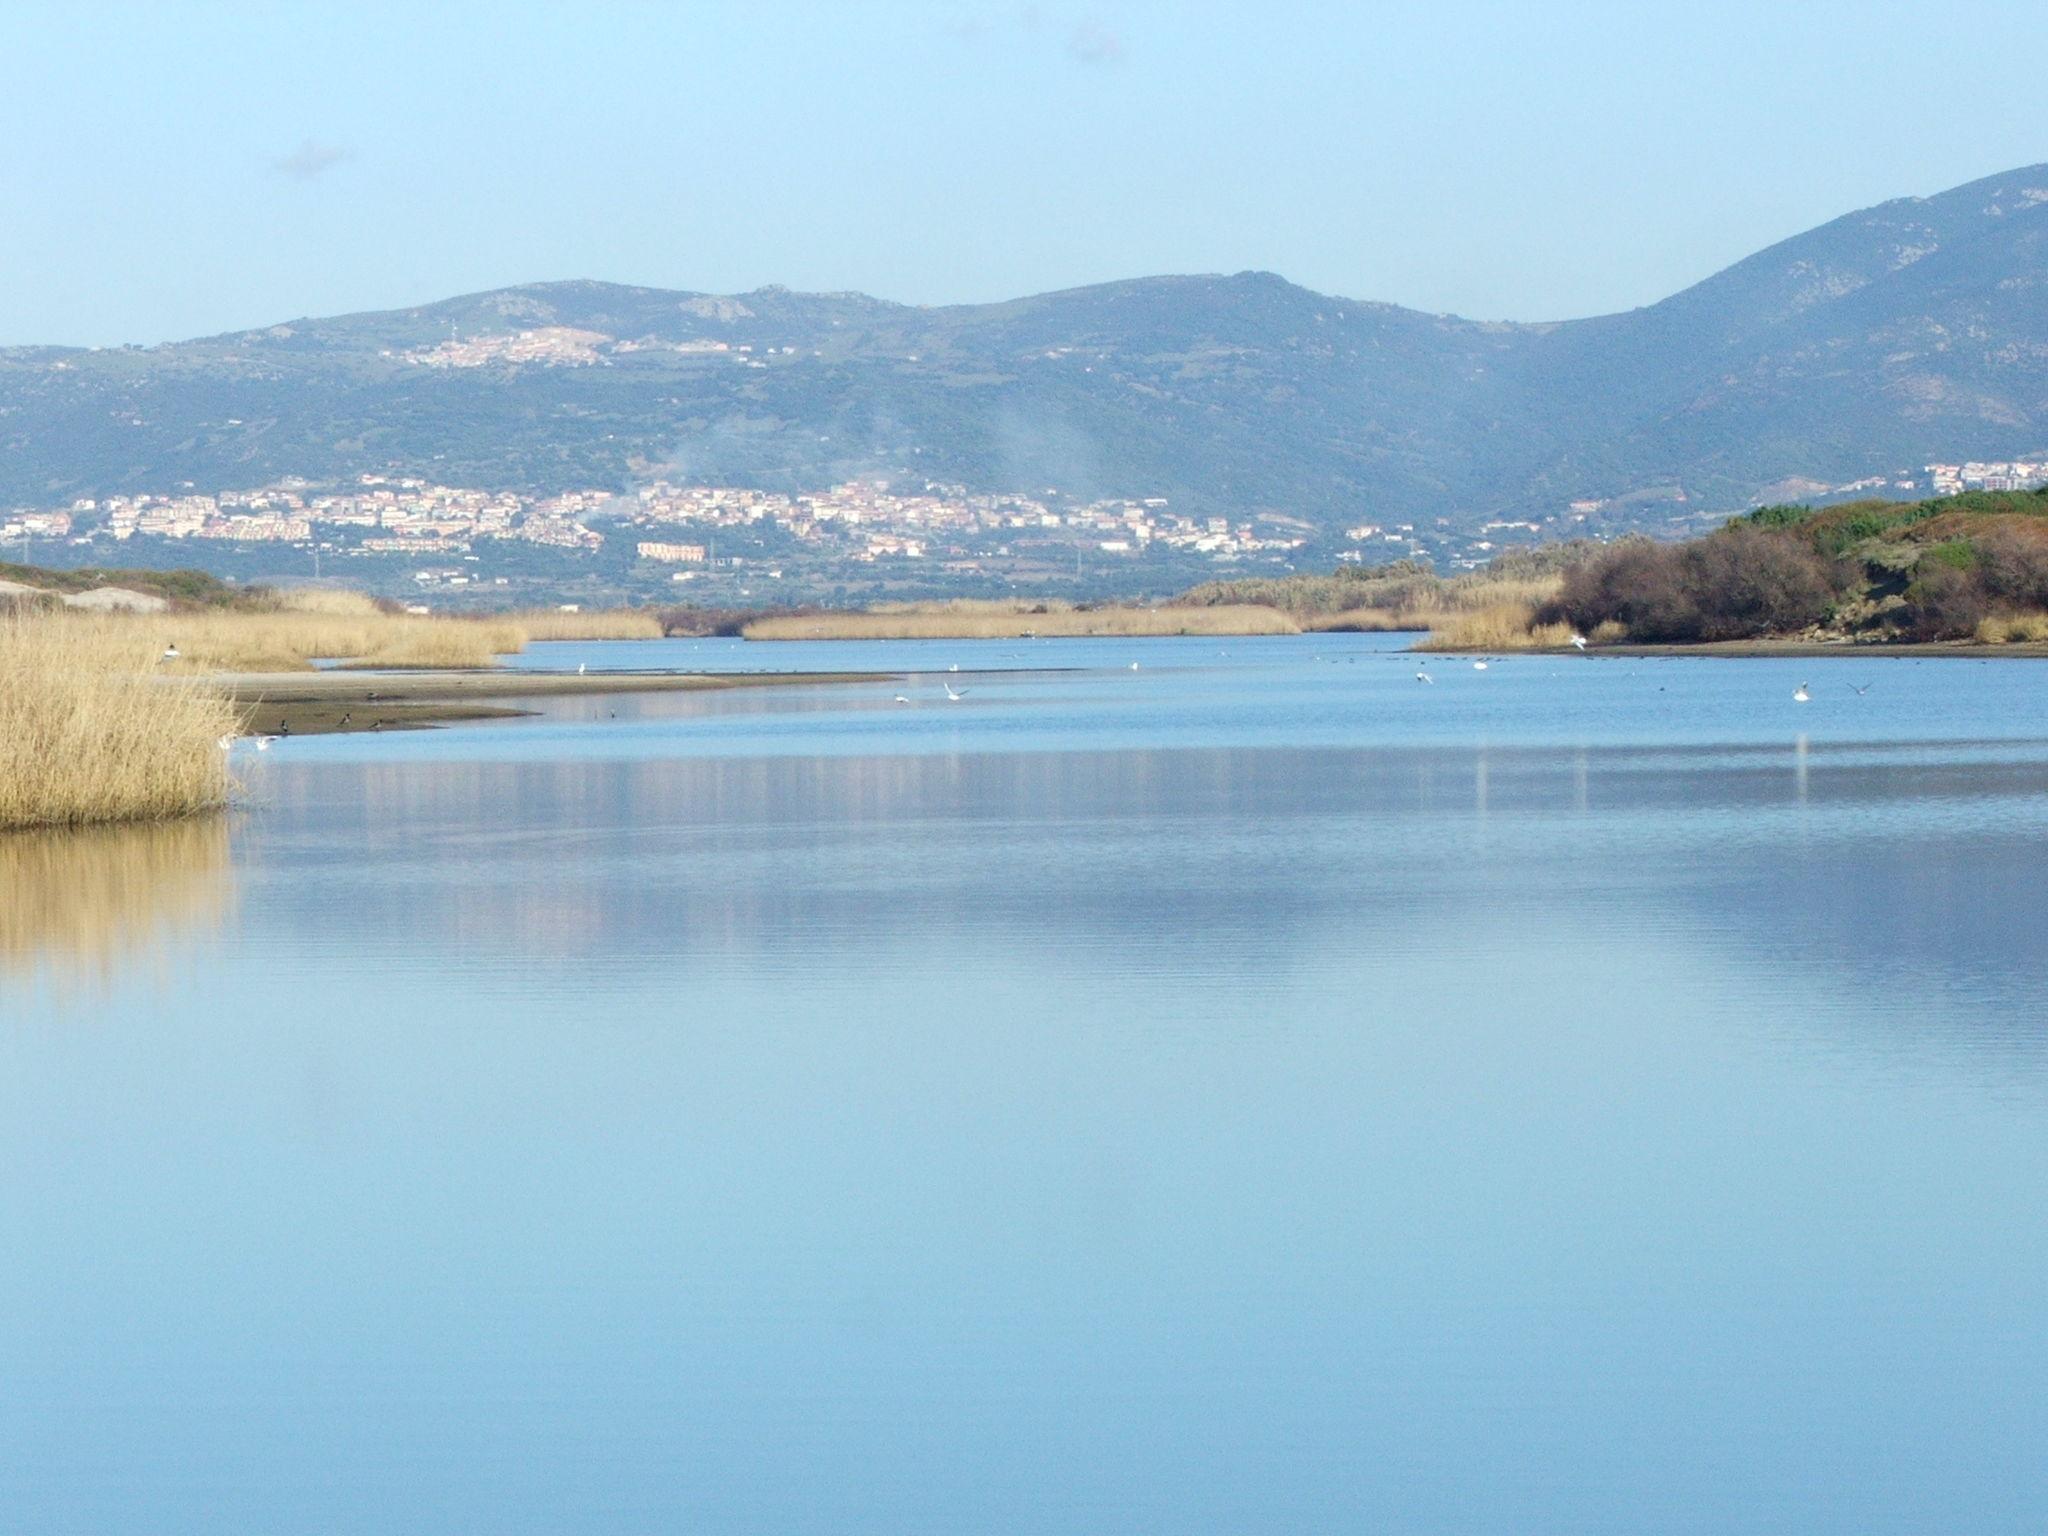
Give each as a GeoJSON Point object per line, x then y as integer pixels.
{"type": "Point", "coordinates": [184, 169]}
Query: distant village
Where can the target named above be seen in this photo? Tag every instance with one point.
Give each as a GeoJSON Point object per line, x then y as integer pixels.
{"type": "Point", "coordinates": [861, 523]}
{"type": "Point", "coordinates": [680, 533]}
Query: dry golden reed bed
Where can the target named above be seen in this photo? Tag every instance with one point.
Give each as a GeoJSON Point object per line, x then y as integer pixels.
{"type": "Point", "coordinates": [1471, 613]}
{"type": "Point", "coordinates": [2013, 629]}
{"type": "Point", "coordinates": [1503, 627]}
{"type": "Point", "coordinates": [599, 624]}
{"type": "Point", "coordinates": [99, 724]}
{"type": "Point", "coordinates": [326, 624]}
{"type": "Point", "coordinates": [90, 732]}
{"type": "Point", "coordinates": [1492, 609]}
{"type": "Point", "coordinates": [990, 621]}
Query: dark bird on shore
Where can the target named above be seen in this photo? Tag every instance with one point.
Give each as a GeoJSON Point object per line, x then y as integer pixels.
{"type": "Point", "coordinates": [346, 716]}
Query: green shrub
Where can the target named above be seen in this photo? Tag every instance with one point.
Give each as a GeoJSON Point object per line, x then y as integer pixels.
{"type": "Point", "coordinates": [1956, 554]}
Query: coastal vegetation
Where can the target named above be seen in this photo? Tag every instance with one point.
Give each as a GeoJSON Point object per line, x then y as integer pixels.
{"type": "Point", "coordinates": [1970, 568]}
{"type": "Point", "coordinates": [109, 714]}
{"type": "Point", "coordinates": [1489, 608]}
{"type": "Point", "coordinates": [218, 627]}
{"type": "Point", "coordinates": [594, 624]}
{"type": "Point", "coordinates": [1010, 619]}
{"type": "Point", "coordinates": [91, 732]}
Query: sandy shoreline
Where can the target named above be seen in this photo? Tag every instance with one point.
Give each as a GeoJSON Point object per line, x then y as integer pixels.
{"type": "Point", "coordinates": [321, 703]}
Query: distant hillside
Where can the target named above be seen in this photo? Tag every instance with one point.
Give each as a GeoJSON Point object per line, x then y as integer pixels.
{"type": "Point", "coordinates": [1909, 332]}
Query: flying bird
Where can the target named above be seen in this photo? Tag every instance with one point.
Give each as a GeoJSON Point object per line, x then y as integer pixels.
{"type": "Point", "coordinates": [1579, 641]}
{"type": "Point", "coordinates": [264, 743]}
{"type": "Point", "coordinates": [955, 695]}
{"type": "Point", "coordinates": [1859, 690]}
{"type": "Point", "coordinates": [902, 698]}
{"type": "Point", "coordinates": [1424, 677]}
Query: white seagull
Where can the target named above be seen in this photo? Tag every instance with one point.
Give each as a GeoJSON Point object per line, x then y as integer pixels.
{"type": "Point", "coordinates": [263, 743]}
{"type": "Point", "coordinates": [1424, 677]}
{"type": "Point", "coordinates": [582, 667]}
{"type": "Point", "coordinates": [955, 695]}
{"type": "Point", "coordinates": [902, 698]}
{"type": "Point", "coordinates": [1800, 695]}
{"type": "Point", "coordinates": [226, 743]}
{"type": "Point", "coordinates": [1579, 641]}
{"type": "Point", "coordinates": [1134, 666]}
{"type": "Point", "coordinates": [171, 653]}
{"type": "Point", "coordinates": [1478, 666]}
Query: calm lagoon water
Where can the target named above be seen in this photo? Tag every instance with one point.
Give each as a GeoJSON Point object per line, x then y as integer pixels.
{"type": "Point", "coordinates": [1255, 1092]}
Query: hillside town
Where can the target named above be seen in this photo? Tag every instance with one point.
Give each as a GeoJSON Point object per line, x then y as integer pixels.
{"type": "Point", "coordinates": [875, 531]}
{"type": "Point", "coordinates": [858, 523]}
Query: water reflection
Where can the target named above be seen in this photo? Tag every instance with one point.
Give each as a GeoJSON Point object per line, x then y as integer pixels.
{"type": "Point", "coordinates": [79, 906]}
{"type": "Point", "coordinates": [806, 1115]}
{"type": "Point", "coordinates": [1864, 870]}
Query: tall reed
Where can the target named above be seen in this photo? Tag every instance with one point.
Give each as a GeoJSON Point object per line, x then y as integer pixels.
{"type": "Point", "coordinates": [948, 622]}
{"type": "Point", "coordinates": [1502, 627]}
{"type": "Point", "coordinates": [90, 731]}
{"type": "Point", "coordinates": [221, 640]}
{"type": "Point", "coordinates": [598, 624]}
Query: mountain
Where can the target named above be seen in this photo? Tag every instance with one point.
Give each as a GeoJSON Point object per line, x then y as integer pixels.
{"type": "Point", "coordinates": [1906, 333]}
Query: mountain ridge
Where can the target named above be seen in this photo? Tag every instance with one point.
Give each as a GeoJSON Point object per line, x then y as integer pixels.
{"type": "Point", "coordinates": [1911, 330]}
